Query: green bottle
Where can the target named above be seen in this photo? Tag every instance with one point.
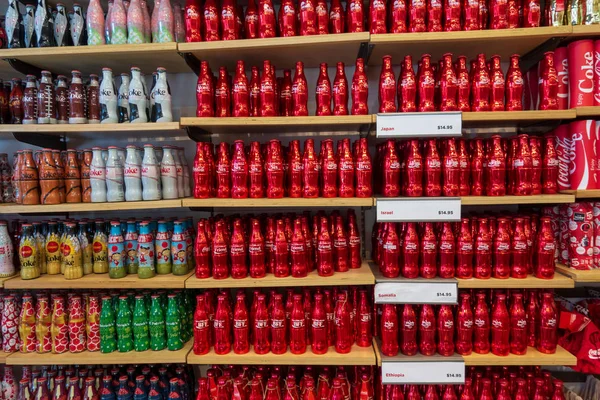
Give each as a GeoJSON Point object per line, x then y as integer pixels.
{"type": "Point", "coordinates": [173, 323]}
{"type": "Point", "coordinates": [124, 331]}
{"type": "Point", "coordinates": [158, 339]}
{"type": "Point", "coordinates": [108, 342]}
{"type": "Point", "coordinates": [183, 316]}
{"type": "Point", "coordinates": [141, 340]}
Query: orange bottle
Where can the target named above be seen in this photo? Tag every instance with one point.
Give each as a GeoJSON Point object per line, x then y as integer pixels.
{"type": "Point", "coordinates": [60, 166]}
{"type": "Point", "coordinates": [28, 179]}
{"type": "Point", "coordinates": [86, 186]}
{"type": "Point", "coordinates": [72, 178]}
{"type": "Point", "coordinates": [49, 178]}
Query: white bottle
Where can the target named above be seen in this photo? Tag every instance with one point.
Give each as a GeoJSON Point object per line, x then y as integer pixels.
{"type": "Point", "coordinates": [158, 152]}
{"type": "Point", "coordinates": [145, 85]}
{"type": "Point", "coordinates": [108, 98]}
{"type": "Point", "coordinates": [121, 153]}
{"type": "Point", "coordinates": [114, 176]}
{"type": "Point", "coordinates": [137, 98]}
{"type": "Point", "coordinates": [7, 267]}
{"type": "Point", "coordinates": [162, 98]}
{"type": "Point", "coordinates": [123, 100]}
{"type": "Point", "coordinates": [150, 174]}
{"type": "Point", "coordinates": [179, 169]}
{"type": "Point", "coordinates": [168, 174]}
{"type": "Point", "coordinates": [98, 176]}
{"type": "Point", "coordinates": [133, 175]}
{"type": "Point", "coordinates": [187, 190]}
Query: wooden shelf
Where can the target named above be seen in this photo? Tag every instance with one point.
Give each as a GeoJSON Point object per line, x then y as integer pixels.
{"type": "Point", "coordinates": [531, 282]}
{"type": "Point", "coordinates": [533, 357]}
{"type": "Point", "coordinates": [60, 129]}
{"type": "Point", "coordinates": [509, 200]}
{"type": "Point", "coordinates": [11, 208]}
{"type": "Point", "coordinates": [517, 116]}
{"type": "Point", "coordinates": [97, 358]}
{"type": "Point", "coordinates": [5, 279]}
{"type": "Point", "coordinates": [591, 111]}
{"type": "Point", "coordinates": [579, 31]}
{"type": "Point", "coordinates": [586, 276]}
{"type": "Point", "coordinates": [329, 123]}
{"type": "Point", "coordinates": [91, 59]}
{"type": "Point", "coordinates": [99, 281]}
{"type": "Point", "coordinates": [283, 52]}
{"type": "Point", "coordinates": [503, 42]}
{"type": "Point", "coordinates": [359, 276]}
{"type": "Point", "coordinates": [3, 357]}
{"type": "Point", "coordinates": [283, 202]}
{"type": "Point", "coordinates": [357, 356]}
{"type": "Point", "coordinates": [416, 358]}
{"type": "Point", "coordinates": [584, 194]}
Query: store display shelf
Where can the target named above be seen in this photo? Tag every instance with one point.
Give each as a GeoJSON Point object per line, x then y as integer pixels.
{"type": "Point", "coordinates": [585, 276]}
{"type": "Point", "coordinates": [283, 202]}
{"type": "Point", "coordinates": [359, 276]}
{"type": "Point", "coordinates": [584, 194]}
{"type": "Point", "coordinates": [416, 358]}
{"type": "Point", "coordinates": [12, 208]}
{"type": "Point", "coordinates": [504, 42]}
{"type": "Point", "coordinates": [283, 52]}
{"type": "Point", "coordinates": [357, 356]}
{"type": "Point", "coordinates": [98, 358]}
{"type": "Point", "coordinates": [508, 200]}
{"type": "Point", "coordinates": [585, 30]}
{"type": "Point", "coordinates": [592, 111]}
{"type": "Point", "coordinates": [531, 282]}
{"type": "Point", "coordinates": [3, 357]}
{"type": "Point", "coordinates": [533, 357]}
{"type": "Point", "coordinates": [99, 281]}
{"type": "Point", "coordinates": [3, 280]}
{"type": "Point", "coordinates": [91, 59]}
{"type": "Point", "coordinates": [59, 129]}
{"type": "Point", "coordinates": [518, 116]}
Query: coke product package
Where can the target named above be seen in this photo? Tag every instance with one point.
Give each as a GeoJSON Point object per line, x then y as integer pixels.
{"type": "Point", "coordinates": [581, 73]}
{"type": "Point", "coordinates": [582, 144]}
{"type": "Point", "coordinates": [581, 235]}
{"type": "Point", "coordinates": [561, 63]}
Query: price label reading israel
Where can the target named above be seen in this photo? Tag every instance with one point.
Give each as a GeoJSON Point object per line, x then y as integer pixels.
{"type": "Point", "coordinates": [407, 209]}
{"type": "Point", "coordinates": [415, 291]}
{"type": "Point", "coordinates": [426, 373]}
{"type": "Point", "coordinates": [426, 124]}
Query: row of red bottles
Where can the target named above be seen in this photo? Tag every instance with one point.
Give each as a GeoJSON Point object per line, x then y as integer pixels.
{"type": "Point", "coordinates": [267, 95]}
{"type": "Point", "coordinates": [289, 383]}
{"type": "Point", "coordinates": [450, 86]}
{"type": "Point", "coordinates": [480, 247]}
{"type": "Point", "coordinates": [520, 166]}
{"type": "Point", "coordinates": [275, 171]}
{"type": "Point", "coordinates": [503, 322]}
{"type": "Point", "coordinates": [289, 245]}
{"type": "Point", "coordinates": [317, 319]}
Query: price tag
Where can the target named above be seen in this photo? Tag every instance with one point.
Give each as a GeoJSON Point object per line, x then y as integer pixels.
{"type": "Point", "coordinates": [417, 291]}
{"type": "Point", "coordinates": [419, 124]}
{"type": "Point", "coordinates": [418, 209]}
{"type": "Point", "coordinates": [431, 372]}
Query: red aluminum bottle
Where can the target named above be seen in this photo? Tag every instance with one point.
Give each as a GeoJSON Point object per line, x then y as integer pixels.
{"type": "Point", "coordinates": [336, 17]}
{"type": "Point", "coordinates": [344, 335]}
{"type": "Point", "coordinates": [323, 386]}
{"type": "Point", "coordinates": [481, 332]}
{"type": "Point", "coordinates": [413, 393]}
{"type": "Point", "coordinates": [483, 251]}
{"type": "Point", "coordinates": [202, 252]}
{"type": "Point", "coordinates": [532, 14]}
{"type": "Point", "coordinates": [294, 171]}
{"type": "Point", "coordinates": [544, 250]}
{"type": "Point", "coordinates": [548, 83]}
{"type": "Point", "coordinates": [426, 84]}
{"type": "Point", "coordinates": [549, 166]}
{"type": "Point", "coordinates": [256, 171]}
{"type": "Point", "coordinates": [318, 327]}
{"type": "Point", "coordinates": [270, 245]}
{"type": "Point", "coordinates": [536, 165]}
{"type": "Point", "coordinates": [496, 168]}
{"type": "Point", "coordinates": [464, 184]}
{"type": "Point", "coordinates": [223, 171]}
{"type": "Point", "coordinates": [260, 329]}
{"type": "Point", "coordinates": [241, 326]}
{"type": "Point", "coordinates": [298, 254]}
{"type": "Point", "coordinates": [229, 26]}
{"type": "Point", "coordinates": [364, 324]}
{"type": "Point", "coordinates": [237, 251]}
{"type": "Point", "coordinates": [548, 338]}
{"type": "Point", "coordinates": [503, 390]}
{"type": "Point", "coordinates": [408, 330]}
{"type": "Point", "coordinates": [449, 393]}
{"type": "Point", "coordinates": [429, 251]}
{"type": "Point", "coordinates": [450, 169]}
{"type": "Point", "coordinates": [356, 16]}
{"type": "Point", "coordinates": [324, 250]}
{"type": "Point", "coordinates": [431, 393]}
{"type": "Point", "coordinates": [464, 326]}
{"type": "Point", "coordinates": [521, 166]}
{"type": "Point", "coordinates": [558, 393]}
{"type": "Point", "coordinates": [391, 170]}
{"type": "Point", "coordinates": [514, 85]}
{"type": "Point", "coordinates": [240, 92]}
{"type": "Point", "coordinates": [256, 251]}
{"type": "Point", "coordinates": [467, 391]}
{"type": "Point", "coordinates": [340, 91]}
{"type": "Point", "coordinates": [391, 252]}
{"type": "Point", "coordinates": [518, 325]}
{"type": "Point", "coordinates": [201, 173]}
{"type": "Point", "coordinates": [410, 252]}
{"type": "Point", "coordinates": [299, 92]}
{"type": "Point", "coordinates": [502, 250]}
{"type": "Point", "coordinates": [353, 241]}
{"type": "Point", "coordinates": [219, 251]}
{"type": "Point", "coordinates": [407, 85]}
{"type": "Point", "coordinates": [389, 330]}
{"type": "Point", "coordinates": [298, 332]}
{"type": "Point", "coordinates": [463, 85]}
{"type": "Point", "coordinates": [448, 81]}
{"type": "Point", "coordinates": [445, 329]}
{"type": "Point", "coordinates": [251, 20]}
{"type": "Point", "coordinates": [417, 14]}
{"type": "Point", "coordinates": [497, 84]}
{"type": "Point", "coordinates": [310, 170]}
{"type": "Point", "coordinates": [427, 326]}
{"type": "Point", "coordinates": [414, 170]}
{"type": "Point", "coordinates": [282, 266]}
{"type": "Point", "coordinates": [500, 327]}
{"type": "Point", "coordinates": [377, 17]}
{"type": "Point", "coordinates": [498, 14]}
{"type": "Point", "coordinates": [274, 167]}
{"type": "Point", "coordinates": [322, 18]}
{"type": "Point", "coordinates": [201, 327]}
{"type": "Point", "coordinates": [364, 170]}
{"type": "Point", "coordinates": [223, 94]}
{"type": "Point", "coordinates": [514, 10]}
{"type": "Point", "coordinates": [464, 251]}
{"type": "Point", "coordinates": [267, 97]}
{"type": "Point", "coordinates": [254, 93]}
{"type": "Point", "coordinates": [222, 326]}
{"type": "Point", "coordinates": [434, 15]}
{"type": "Point", "coordinates": [447, 251]}
{"type": "Point", "coordinates": [471, 15]}
{"type": "Point", "coordinates": [328, 170]}
{"type": "Point", "coordinates": [210, 24]}
{"type": "Point", "coordinates": [520, 252]}
{"type": "Point", "coordinates": [533, 319]}
{"type": "Point", "coordinates": [485, 389]}
{"type": "Point", "coordinates": [310, 247]}
{"type": "Point", "coordinates": [480, 85]}
{"type": "Point", "coordinates": [266, 19]}
{"type": "Point", "coordinates": [387, 87]}
{"type": "Point", "coordinates": [239, 172]}
{"type": "Point", "coordinates": [360, 89]}
{"type": "Point", "coordinates": [323, 92]}
{"type": "Point", "coordinates": [307, 17]}
{"type": "Point", "coordinates": [285, 95]}
{"type": "Point", "coordinates": [205, 92]}
{"type": "Point", "coordinates": [452, 15]}
{"type": "Point", "coordinates": [398, 16]}
{"type": "Point", "coordinates": [193, 21]}
{"type": "Point", "coordinates": [287, 19]}
{"type": "Point", "coordinates": [340, 246]}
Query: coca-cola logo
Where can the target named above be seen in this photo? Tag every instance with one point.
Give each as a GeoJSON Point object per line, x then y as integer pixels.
{"type": "Point", "coordinates": [52, 247]}
{"type": "Point", "coordinates": [586, 85]}
{"type": "Point", "coordinates": [388, 325]}
{"type": "Point", "coordinates": [426, 324]}
{"type": "Point", "coordinates": [410, 246]}
{"type": "Point", "coordinates": [522, 323]}
{"type": "Point", "coordinates": [414, 164]}
{"type": "Point", "coordinates": [318, 323]}
{"type": "Point", "coordinates": [551, 322]}
{"type": "Point", "coordinates": [594, 354]}
{"type": "Point", "coordinates": [466, 247]}
{"type": "Point", "coordinates": [503, 247]}
{"type": "Point", "coordinates": [409, 324]}
{"type": "Point", "coordinates": [167, 170]}
{"type": "Point", "coordinates": [106, 92]}
{"type": "Point", "coordinates": [240, 323]}
{"type": "Point", "coordinates": [468, 323]}
{"type": "Point", "coordinates": [480, 323]}
{"type": "Point", "coordinates": [449, 324]}
{"type": "Point", "coordinates": [135, 92]}
{"type": "Point", "coordinates": [496, 323]}
{"type": "Point", "coordinates": [219, 249]}
{"type": "Point", "coordinates": [297, 323]}
{"type": "Point", "coordinates": [276, 323]}
{"type": "Point", "coordinates": [97, 172]}
{"type": "Point", "coordinates": [26, 251]}
{"type": "Point", "coordinates": [97, 247]}
{"type": "Point", "coordinates": [131, 171]}
{"type": "Point", "coordinates": [75, 95]}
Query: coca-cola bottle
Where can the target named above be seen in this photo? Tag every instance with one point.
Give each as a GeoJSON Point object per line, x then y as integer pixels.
{"type": "Point", "coordinates": [408, 330]}
{"type": "Point", "coordinates": [426, 85]}
{"type": "Point", "coordinates": [298, 334]}
{"type": "Point", "coordinates": [205, 90]}
{"type": "Point", "coordinates": [483, 250]}
{"type": "Point", "coordinates": [547, 325]}
{"type": "Point", "coordinates": [222, 326]}
{"type": "Point", "coordinates": [448, 83]}
{"type": "Point", "coordinates": [323, 91]}
{"type": "Point", "coordinates": [390, 186]}
{"type": "Point", "coordinates": [514, 85]}
{"type": "Point", "coordinates": [413, 171]}
{"type": "Point", "coordinates": [324, 254]}
{"type": "Point", "coordinates": [329, 170]}
{"type": "Point", "coordinates": [238, 251]}
{"type": "Point", "coordinates": [411, 250]}
{"type": "Point", "coordinates": [340, 90]}
{"type": "Point", "coordinates": [360, 89]}
{"type": "Point", "coordinates": [481, 332]}
{"type": "Point", "coordinates": [201, 326]}
{"type": "Point", "coordinates": [281, 250]}
{"type": "Point", "coordinates": [518, 325]}
{"type": "Point", "coordinates": [274, 170]}
{"type": "Point", "coordinates": [389, 330]}
{"type": "Point", "coordinates": [318, 328]}
{"type": "Point", "coordinates": [407, 85]}
{"type": "Point", "coordinates": [445, 330]}
{"type": "Point", "coordinates": [548, 83]}
{"type": "Point", "coordinates": [502, 250]}
{"type": "Point", "coordinates": [261, 329]}
{"type": "Point", "coordinates": [520, 253]}
{"type": "Point", "coordinates": [500, 327]}
{"type": "Point", "coordinates": [240, 93]}
{"type": "Point", "coordinates": [464, 251]}
{"type": "Point", "coordinates": [219, 252]}
{"type": "Point", "coordinates": [427, 330]}
{"type": "Point", "coordinates": [464, 326]}
{"type": "Point", "coordinates": [344, 335]}
{"type": "Point", "coordinates": [267, 84]}
{"type": "Point", "coordinates": [429, 251]}
{"type": "Point", "coordinates": [480, 86]}
{"type": "Point", "coordinates": [497, 85]}
{"type": "Point", "coordinates": [300, 92]}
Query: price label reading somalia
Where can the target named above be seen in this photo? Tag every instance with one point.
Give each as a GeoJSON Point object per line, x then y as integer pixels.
{"type": "Point", "coordinates": [425, 124]}
{"type": "Point", "coordinates": [422, 372]}
{"type": "Point", "coordinates": [408, 209]}
{"type": "Point", "coordinates": [415, 291]}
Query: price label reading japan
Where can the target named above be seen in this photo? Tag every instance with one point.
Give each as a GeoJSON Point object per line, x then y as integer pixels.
{"type": "Point", "coordinates": [403, 209]}
{"type": "Point", "coordinates": [425, 124]}
{"type": "Point", "coordinates": [423, 372]}
{"type": "Point", "coordinates": [416, 291]}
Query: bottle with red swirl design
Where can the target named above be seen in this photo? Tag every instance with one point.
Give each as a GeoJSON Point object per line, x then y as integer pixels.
{"type": "Point", "coordinates": [228, 20]}
{"type": "Point", "coordinates": [294, 170]}
{"type": "Point", "coordinates": [387, 87]}
{"type": "Point", "coordinates": [323, 92]}
{"type": "Point", "coordinates": [322, 17]}
{"type": "Point", "coordinates": [448, 85]}
{"type": "Point", "coordinates": [256, 251]}
{"type": "Point", "coordinates": [238, 252]}
{"type": "Point", "coordinates": [222, 326]}
{"type": "Point", "coordinates": [413, 172]}
{"type": "Point", "coordinates": [464, 326]}
{"type": "Point", "coordinates": [390, 261]}
{"type": "Point", "coordinates": [514, 85]}
{"type": "Point", "coordinates": [299, 91]}
{"type": "Point", "coordinates": [502, 250]}
{"type": "Point", "coordinates": [310, 170]}
{"type": "Point", "coordinates": [254, 92]}
{"type": "Point", "coordinates": [429, 252]}
{"type": "Point", "coordinates": [241, 326]}
{"type": "Point", "coordinates": [518, 325]}
{"type": "Point", "coordinates": [496, 169]}
{"type": "Point", "coordinates": [481, 332]}
{"type": "Point", "coordinates": [426, 85]}
{"type": "Point", "coordinates": [447, 251]}
{"type": "Point", "coordinates": [452, 15]}
{"type": "Point", "coordinates": [391, 170]}
{"type": "Point", "coordinates": [364, 170]}
{"type": "Point", "coordinates": [531, 14]}
{"type": "Point", "coordinates": [398, 16]}
{"type": "Point", "coordinates": [329, 170]}
{"type": "Point", "coordinates": [408, 330]}
{"type": "Point", "coordinates": [389, 330]}
{"type": "Point", "coordinates": [267, 96]}
{"type": "Point", "coordinates": [377, 17]}
{"type": "Point", "coordinates": [497, 85]}
{"type": "Point", "coordinates": [287, 19]}
{"type": "Point", "coordinates": [480, 85]}
{"type": "Point", "coordinates": [240, 92]}
{"type": "Point", "coordinates": [210, 24]}
{"type": "Point", "coordinates": [337, 22]}
{"type": "Point", "coordinates": [498, 14]}
{"type": "Point", "coordinates": [427, 330]}
{"type": "Point", "coordinates": [219, 252]}
{"type": "Point", "coordinates": [445, 328]}
{"type": "Point", "coordinates": [500, 327]}
{"type": "Point", "coordinates": [463, 85]}
{"type": "Point", "coordinates": [417, 14]}
{"type": "Point", "coordinates": [464, 251]}
{"type": "Point", "coordinates": [345, 170]}
{"type": "Point", "coordinates": [411, 250]}
{"type": "Point", "coordinates": [355, 18]}
{"type": "Point", "coordinates": [450, 169]}
{"type": "Point", "coordinates": [205, 92]}
{"type": "Point", "coordinates": [483, 250]}
{"type": "Point", "coordinates": [223, 94]}
{"type": "Point", "coordinates": [307, 17]}
{"type": "Point", "coordinates": [548, 83]}
{"type": "Point", "coordinates": [266, 19]}
{"type": "Point", "coordinates": [536, 164]}
{"type": "Point", "coordinates": [407, 87]}
{"type": "Point", "coordinates": [251, 20]}
{"type": "Point", "coordinates": [324, 249]}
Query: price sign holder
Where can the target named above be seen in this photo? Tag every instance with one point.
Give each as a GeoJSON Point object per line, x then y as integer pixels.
{"type": "Point", "coordinates": [422, 370]}
{"type": "Point", "coordinates": [418, 209]}
{"type": "Point", "coordinates": [419, 124]}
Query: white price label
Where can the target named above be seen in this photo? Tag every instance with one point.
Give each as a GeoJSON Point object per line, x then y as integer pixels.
{"type": "Point", "coordinates": [431, 372]}
{"type": "Point", "coordinates": [419, 124]}
{"type": "Point", "coordinates": [418, 209]}
{"type": "Point", "coordinates": [417, 291]}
